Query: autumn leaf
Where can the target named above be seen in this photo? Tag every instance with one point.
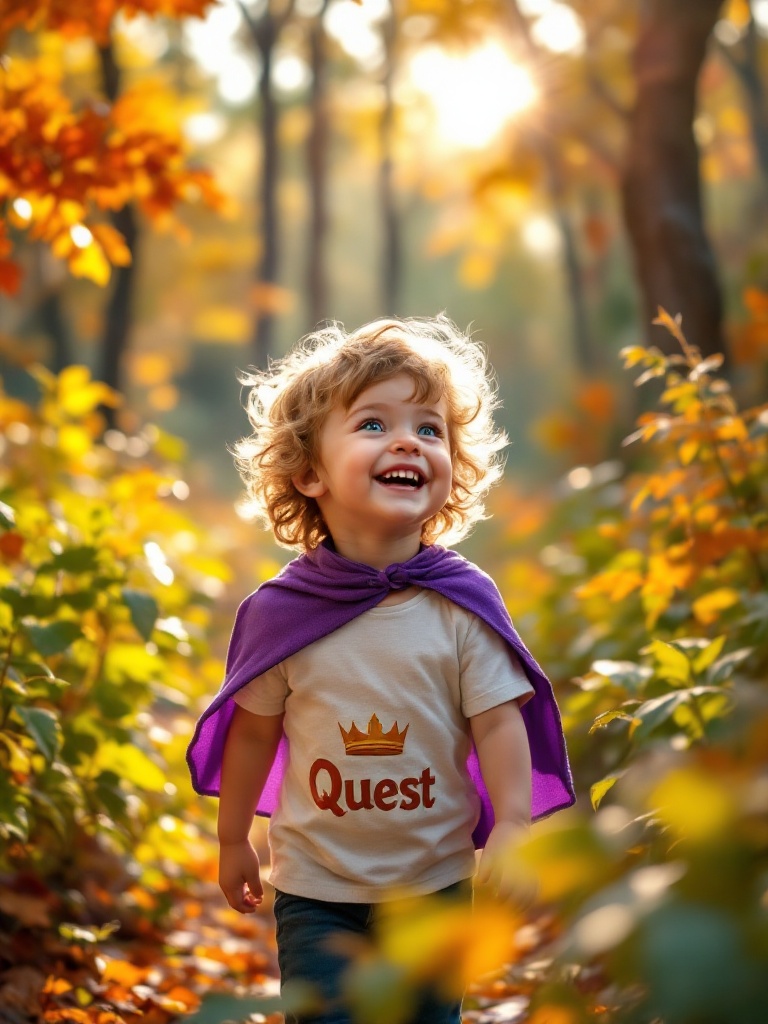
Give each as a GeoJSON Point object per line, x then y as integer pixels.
{"type": "Point", "coordinates": [707, 609]}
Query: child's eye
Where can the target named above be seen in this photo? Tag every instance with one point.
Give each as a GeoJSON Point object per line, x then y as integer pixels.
{"type": "Point", "coordinates": [371, 425]}
{"type": "Point", "coordinates": [430, 430]}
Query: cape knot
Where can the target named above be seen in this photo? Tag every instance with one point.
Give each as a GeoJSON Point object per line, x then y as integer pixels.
{"type": "Point", "coordinates": [396, 577]}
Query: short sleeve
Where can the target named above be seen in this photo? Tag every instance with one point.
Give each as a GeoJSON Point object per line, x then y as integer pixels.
{"type": "Point", "coordinates": [491, 672]}
{"type": "Point", "coordinates": [264, 695]}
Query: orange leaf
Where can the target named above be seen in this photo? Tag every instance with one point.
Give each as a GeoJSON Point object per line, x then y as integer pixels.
{"type": "Point", "coordinates": [11, 546]}
{"type": "Point", "coordinates": [113, 244]}
{"type": "Point", "coordinates": [123, 973]}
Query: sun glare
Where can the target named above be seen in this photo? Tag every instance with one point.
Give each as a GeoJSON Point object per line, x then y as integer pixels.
{"type": "Point", "coordinates": [473, 94]}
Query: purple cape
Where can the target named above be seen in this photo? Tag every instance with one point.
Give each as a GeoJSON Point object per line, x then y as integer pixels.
{"type": "Point", "coordinates": [320, 591]}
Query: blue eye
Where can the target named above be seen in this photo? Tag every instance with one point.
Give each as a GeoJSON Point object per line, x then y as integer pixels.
{"type": "Point", "coordinates": [429, 430]}
{"type": "Point", "coordinates": [372, 425]}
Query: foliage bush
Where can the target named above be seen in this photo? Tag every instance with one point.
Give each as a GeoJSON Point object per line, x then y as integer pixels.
{"type": "Point", "coordinates": [663, 893]}
{"type": "Point", "coordinates": [105, 590]}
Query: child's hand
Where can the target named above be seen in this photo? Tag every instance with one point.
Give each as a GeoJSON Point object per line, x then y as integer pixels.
{"type": "Point", "coordinates": [239, 876]}
{"type": "Point", "coordinates": [502, 873]}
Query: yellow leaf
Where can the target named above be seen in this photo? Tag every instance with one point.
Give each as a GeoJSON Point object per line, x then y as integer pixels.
{"type": "Point", "coordinates": [688, 452]}
{"type": "Point", "coordinates": [78, 394]}
{"type": "Point", "coordinates": [707, 609]}
{"type": "Point", "coordinates": [633, 354]}
{"type": "Point", "coordinates": [732, 429]}
{"type": "Point", "coordinates": [74, 441]}
{"type": "Point", "coordinates": [695, 805]}
{"type": "Point", "coordinates": [91, 263]}
{"type": "Point", "coordinates": [458, 942]}
{"type": "Point", "coordinates": [616, 584]}
{"type": "Point", "coordinates": [672, 324]}
{"type": "Point", "coordinates": [738, 12]}
{"type": "Point", "coordinates": [113, 244]}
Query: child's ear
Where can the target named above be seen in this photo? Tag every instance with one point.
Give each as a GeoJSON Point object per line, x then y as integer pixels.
{"type": "Point", "coordinates": [308, 483]}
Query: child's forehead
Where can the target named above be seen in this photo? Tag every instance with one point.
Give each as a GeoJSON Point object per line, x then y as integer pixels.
{"type": "Point", "coordinates": [401, 386]}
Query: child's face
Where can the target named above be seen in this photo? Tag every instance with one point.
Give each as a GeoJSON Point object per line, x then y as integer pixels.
{"type": "Point", "coordinates": [384, 464]}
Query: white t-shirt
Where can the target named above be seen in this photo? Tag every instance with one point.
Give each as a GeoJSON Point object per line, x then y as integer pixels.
{"type": "Point", "coordinates": [376, 796]}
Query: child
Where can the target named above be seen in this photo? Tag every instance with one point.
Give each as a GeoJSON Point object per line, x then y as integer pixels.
{"type": "Point", "coordinates": [376, 701]}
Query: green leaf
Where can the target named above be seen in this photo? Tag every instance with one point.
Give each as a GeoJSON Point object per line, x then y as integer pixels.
{"type": "Point", "coordinates": [82, 558]}
{"type": "Point", "coordinates": [14, 822]}
{"type": "Point", "coordinates": [654, 713]}
{"type": "Point", "coordinates": [623, 673]}
{"type": "Point", "coordinates": [599, 789]}
{"type": "Point", "coordinates": [143, 609]}
{"type": "Point", "coordinates": [81, 600]}
{"type": "Point", "coordinates": [7, 516]}
{"type": "Point", "coordinates": [111, 796]}
{"type": "Point", "coordinates": [43, 726]}
{"type": "Point", "coordinates": [48, 810]}
{"type": "Point", "coordinates": [20, 603]}
{"type": "Point", "coordinates": [94, 934]}
{"type": "Point", "coordinates": [27, 667]}
{"type": "Point", "coordinates": [723, 668]}
{"type": "Point", "coordinates": [54, 638]}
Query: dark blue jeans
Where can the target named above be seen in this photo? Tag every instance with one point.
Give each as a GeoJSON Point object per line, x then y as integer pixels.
{"type": "Point", "coordinates": [316, 945]}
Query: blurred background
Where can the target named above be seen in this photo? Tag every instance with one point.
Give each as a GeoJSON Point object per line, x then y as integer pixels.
{"type": "Point", "coordinates": [406, 158]}
{"type": "Point", "coordinates": [186, 188]}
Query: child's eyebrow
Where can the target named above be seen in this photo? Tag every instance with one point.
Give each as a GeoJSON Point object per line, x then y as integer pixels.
{"type": "Point", "coordinates": [355, 410]}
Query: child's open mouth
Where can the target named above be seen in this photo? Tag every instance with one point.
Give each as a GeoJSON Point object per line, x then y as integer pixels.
{"type": "Point", "coordinates": [402, 478]}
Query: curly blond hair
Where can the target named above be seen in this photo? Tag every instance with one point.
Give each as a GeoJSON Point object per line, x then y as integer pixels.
{"type": "Point", "coordinates": [288, 404]}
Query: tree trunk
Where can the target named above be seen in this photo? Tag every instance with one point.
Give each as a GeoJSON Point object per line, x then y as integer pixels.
{"type": "Point", "coordinates": [661, 186]}
{"type": "Point", "coordinates": [574, 278]}
{"type": "Point", "coordinates": [267, 271]}
{"type": "Point", "coordinates": [55, 325]}
{"type": "Point", "coordinates": [119, 315]}
{"type": "Point", "coordinates": [544, 141]}
{"type": "Point", "coordinates": [50, 311]}
{"type": "Point", "coordinates": [317, 155]}
{"type": "Point", "coordinates": [118, 318]}
{"type": "Point", "coordinates": [391, 249]}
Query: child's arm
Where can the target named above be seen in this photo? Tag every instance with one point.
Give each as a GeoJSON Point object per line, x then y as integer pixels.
{"type": "Point", "coordinates": [501, 740]}
{"type": "Point", "coordinates": [249, 751]}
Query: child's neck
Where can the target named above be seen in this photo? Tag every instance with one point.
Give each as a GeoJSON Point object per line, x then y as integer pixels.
{"type": "Point", "coordinates": [375, 551]}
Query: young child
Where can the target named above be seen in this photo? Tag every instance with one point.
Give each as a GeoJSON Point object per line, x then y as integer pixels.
{"type": "Point", "coordinates": [378, 702]}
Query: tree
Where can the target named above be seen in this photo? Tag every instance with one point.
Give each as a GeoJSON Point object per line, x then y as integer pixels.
{"type": "Point", "coordinates": [661, 187]}
{"type": "Point", "coordinates": [119, 312]}
{"type": "Point", "coordinates": [391, 255]}
{"type": "Point", "coordinates": [265, 29]}
{"type": "Point", "coordinates": [544, 141]}
{"type": "Point", "coordinates": [317, 168]}
{"type": "Point", "coordinates": [66, 169]}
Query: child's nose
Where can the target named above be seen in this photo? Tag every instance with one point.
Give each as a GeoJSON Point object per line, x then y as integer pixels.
{"type": "Point", "coordinates": [406, 443]}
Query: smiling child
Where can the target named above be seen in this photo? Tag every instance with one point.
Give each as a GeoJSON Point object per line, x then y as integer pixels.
{"type": "Point", "coordinates": [378, 702]}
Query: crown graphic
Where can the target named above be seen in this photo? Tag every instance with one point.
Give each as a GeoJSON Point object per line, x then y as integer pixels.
{"type": "Point", "coordinates": [375, 742]}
